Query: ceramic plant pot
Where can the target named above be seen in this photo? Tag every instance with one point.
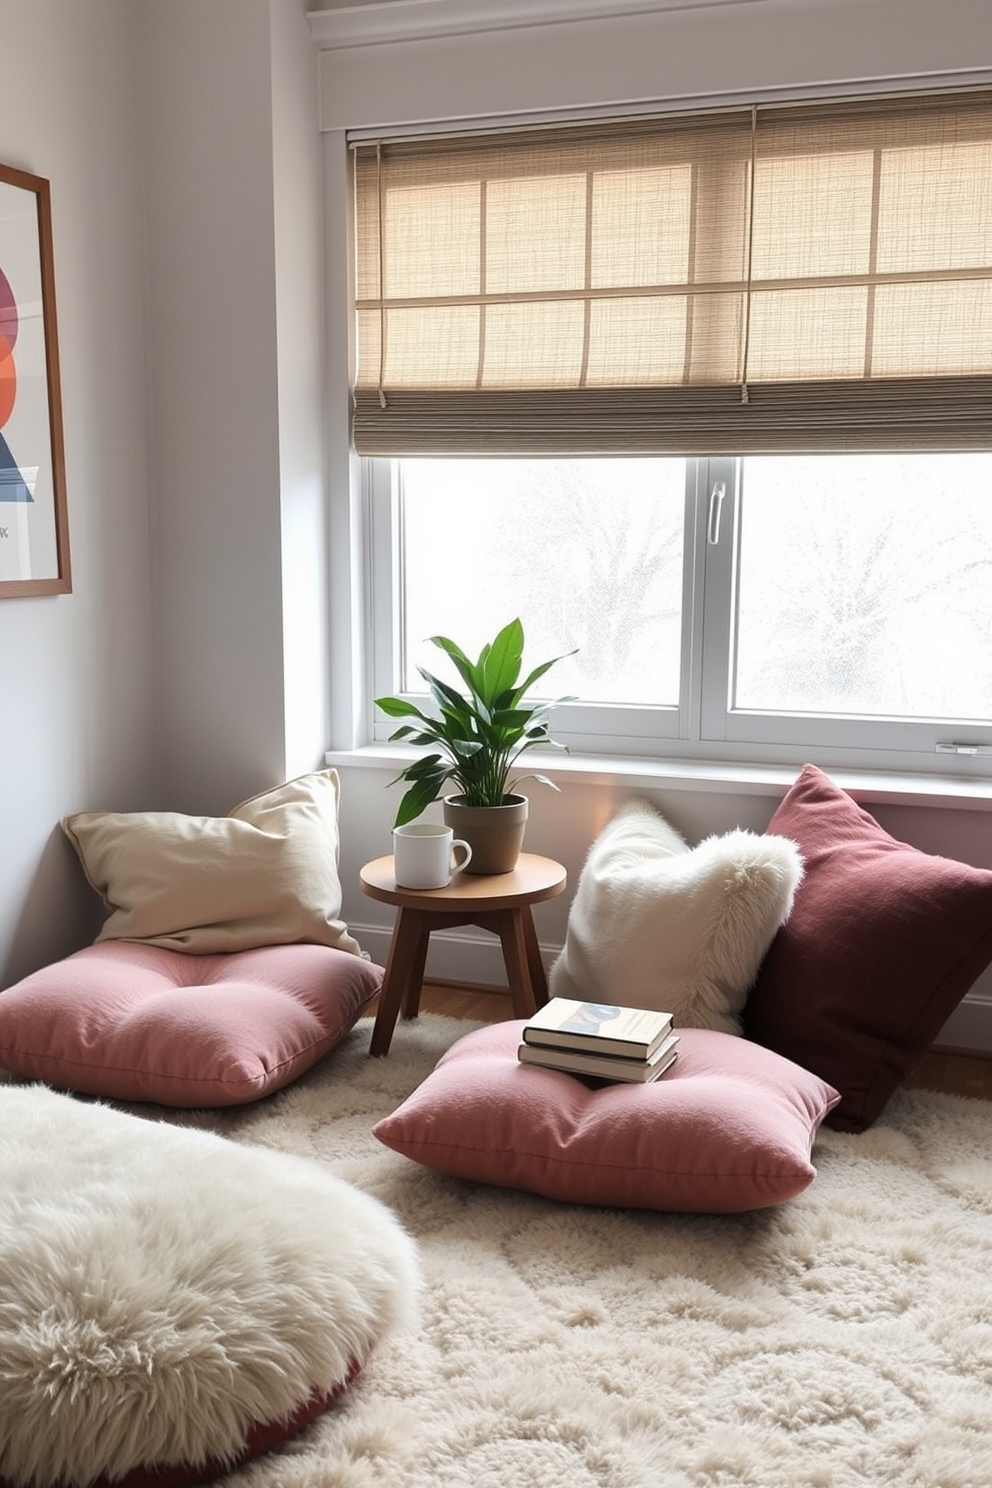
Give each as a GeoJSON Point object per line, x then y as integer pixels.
{"type": "Point", "coordinates": [494, 833]}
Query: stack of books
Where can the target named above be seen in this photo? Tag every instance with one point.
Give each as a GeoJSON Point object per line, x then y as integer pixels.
{"type": "Point", "coordinates": [596, 1038]}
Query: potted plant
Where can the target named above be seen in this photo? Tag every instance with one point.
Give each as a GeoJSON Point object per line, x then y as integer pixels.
{"type": "Point", "coordinates": [477, 736]}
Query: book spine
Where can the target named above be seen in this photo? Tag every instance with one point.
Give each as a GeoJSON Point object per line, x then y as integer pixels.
{"type": "Point", "coordinates": [590, 1044]}
{"type": "Point", "coordinates": [627, 1071]}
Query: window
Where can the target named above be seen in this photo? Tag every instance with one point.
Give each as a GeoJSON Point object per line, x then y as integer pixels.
{"type": "Point", "coordinates": [754, 608]}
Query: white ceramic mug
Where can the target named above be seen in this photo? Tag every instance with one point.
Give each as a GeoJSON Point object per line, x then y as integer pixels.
{"type": "Point", "coordinates": [425, 855]}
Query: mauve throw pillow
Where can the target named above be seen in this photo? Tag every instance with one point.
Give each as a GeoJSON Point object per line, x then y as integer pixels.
{"type": "Point", "coordinates": [729, 1127]}
{"type": "Point", "coordinates": [883, 942]}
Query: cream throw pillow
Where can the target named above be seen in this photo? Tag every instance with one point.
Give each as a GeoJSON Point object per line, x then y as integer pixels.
{"type": "Point", "coordinates": [657, 924]}
{"type": "Point", "coordinates": [265, 874]}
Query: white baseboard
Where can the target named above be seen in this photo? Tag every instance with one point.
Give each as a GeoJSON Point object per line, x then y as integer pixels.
{"type": "Point", "coordinates": [453, 956]}
{"type": "Point", "coordinates": [476, 960]}
{"type": "Point", "coordinates": [970, 1025]}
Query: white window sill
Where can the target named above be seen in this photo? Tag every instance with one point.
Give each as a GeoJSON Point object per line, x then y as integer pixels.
{"type": "Point", "coordinates": [870, 787]}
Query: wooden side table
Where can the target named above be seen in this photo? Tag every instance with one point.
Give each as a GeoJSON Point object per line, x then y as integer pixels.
{"type": "Point", "coordinates": [499, 902]}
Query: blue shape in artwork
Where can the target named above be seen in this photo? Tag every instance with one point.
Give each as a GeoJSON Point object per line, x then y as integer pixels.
{"type": "Point", "coordinates": [12, 483]}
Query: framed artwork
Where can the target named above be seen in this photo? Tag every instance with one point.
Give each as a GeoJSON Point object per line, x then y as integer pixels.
{"type": "Point", "coordinates": [34, 528]}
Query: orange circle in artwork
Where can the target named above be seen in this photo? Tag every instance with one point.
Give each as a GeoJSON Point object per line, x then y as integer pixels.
{"type": "Point", "coordinates": [8, 381]}
{"type": "Point", "coordinates": [8, 313]}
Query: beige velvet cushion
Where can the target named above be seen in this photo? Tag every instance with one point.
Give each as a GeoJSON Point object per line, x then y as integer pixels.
{"type": "Point", "coordinates": [265, 874]}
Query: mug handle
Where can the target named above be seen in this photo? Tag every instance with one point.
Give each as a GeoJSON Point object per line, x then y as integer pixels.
{"type": "Point", "coordinates": [456, 844]}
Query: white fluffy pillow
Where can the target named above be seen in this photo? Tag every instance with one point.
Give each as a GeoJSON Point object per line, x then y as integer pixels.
{"type": "Point", "coordinates": [657, 924]}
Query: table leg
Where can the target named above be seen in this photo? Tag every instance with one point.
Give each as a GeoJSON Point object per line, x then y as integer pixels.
{"type": "Point", "coordinates": [418, 961]}
{"type": "Point", "coordinates": [403, 978]}
{"type": "Point", "coordinates": [509, 925]}
{"type": "Point", "coordinates": [538, 978]}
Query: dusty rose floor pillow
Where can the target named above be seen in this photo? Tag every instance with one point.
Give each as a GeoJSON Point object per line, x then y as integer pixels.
{"type": "Point", "coordinates": [139, 1022]}
{"type": "Point", "coordinates": [657, 924]}
{"type": "Point", "coordinates": [883, 942]}
{"type": "Point", "coordinates": [729, 1127]}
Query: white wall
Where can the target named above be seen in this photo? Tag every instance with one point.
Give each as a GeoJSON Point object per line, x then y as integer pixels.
{"type": "Point", "coordinates": [193, 122]}
{"type": "Point", "coordinates": [180, 140]}
{"type": "Point", "coordinates": [205, 68]}
{"type": "Point", "coordinates": [760, 49]}
{"type": "Point", "coordinates": [701, 52]}
{"type": "Point", "coordinates": [77, 691]}
{"type": "Point", "coordinates": [299, 267]}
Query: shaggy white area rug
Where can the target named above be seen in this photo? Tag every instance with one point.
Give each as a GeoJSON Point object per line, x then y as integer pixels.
{"type": "Point", "coordinates": [844, 1339]}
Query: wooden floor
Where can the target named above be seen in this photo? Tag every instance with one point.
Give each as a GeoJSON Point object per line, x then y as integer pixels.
{"type": "Point", "coordinates": [953, 1071]}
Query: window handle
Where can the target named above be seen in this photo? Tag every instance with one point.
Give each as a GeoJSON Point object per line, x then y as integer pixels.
{"type": "Point", "coordinates": [966, 749]}
{"type": "Point", "coordinates": [717, 494]}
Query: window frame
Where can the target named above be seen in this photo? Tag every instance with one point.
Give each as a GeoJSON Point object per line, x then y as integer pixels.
{"type": "Point", "coordinates": [703, 728]}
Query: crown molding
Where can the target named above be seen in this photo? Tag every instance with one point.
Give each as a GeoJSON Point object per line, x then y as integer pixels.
{"type": "Point", "coordinates": [350, 23]}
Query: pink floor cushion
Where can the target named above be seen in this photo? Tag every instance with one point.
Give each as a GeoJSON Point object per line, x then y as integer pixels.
{"type": "Point", "coordinates": [173, 1303]}
{"type": "Point", "coordinates": [729, 1127]}
{"type": "Point", "coordinates": [139, 1022]}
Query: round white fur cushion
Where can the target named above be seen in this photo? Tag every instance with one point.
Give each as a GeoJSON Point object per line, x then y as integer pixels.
{"type": "Point", "coordinates": [657, 924]}
{"type": "Point", "coordinates": [163, 1290]}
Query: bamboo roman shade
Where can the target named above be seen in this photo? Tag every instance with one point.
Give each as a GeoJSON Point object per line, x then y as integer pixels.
{"type": "Point", "coordinates": [786, 278]}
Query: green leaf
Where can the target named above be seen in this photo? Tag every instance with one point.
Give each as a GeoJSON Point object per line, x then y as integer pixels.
{"type": "Point", "coordinates": [541, 780]}
{"type": "Point", "coordinates": [428, 764]}
{"type": "Point", "coordinates": [425, 736]}
{"type": "Point", "coordinates": [515, 719]}
{"type": "Point", "coordinates": [501, 666]}
{"type": "Point", "coordinates": [395, 707]}
{"type": "Point", "coordinates": [452, 704]}
{"type": "Point", "coordinates": [539, 672]}
{"type": "Point", "coordinates": [469, 674]}
{"type": "Point", "coordinates": [420, 795]}
{"type": "Point", "coordinates": [465, 748]}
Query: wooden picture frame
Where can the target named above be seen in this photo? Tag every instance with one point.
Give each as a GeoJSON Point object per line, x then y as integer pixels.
{"type": "Point", "coordinates": [34, 525]}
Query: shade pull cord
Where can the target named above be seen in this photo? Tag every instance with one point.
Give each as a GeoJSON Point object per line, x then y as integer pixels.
{"type": "Point", "coordinates": [745, 396]}
{"type": "Point", "coordinates": [382, 277]}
